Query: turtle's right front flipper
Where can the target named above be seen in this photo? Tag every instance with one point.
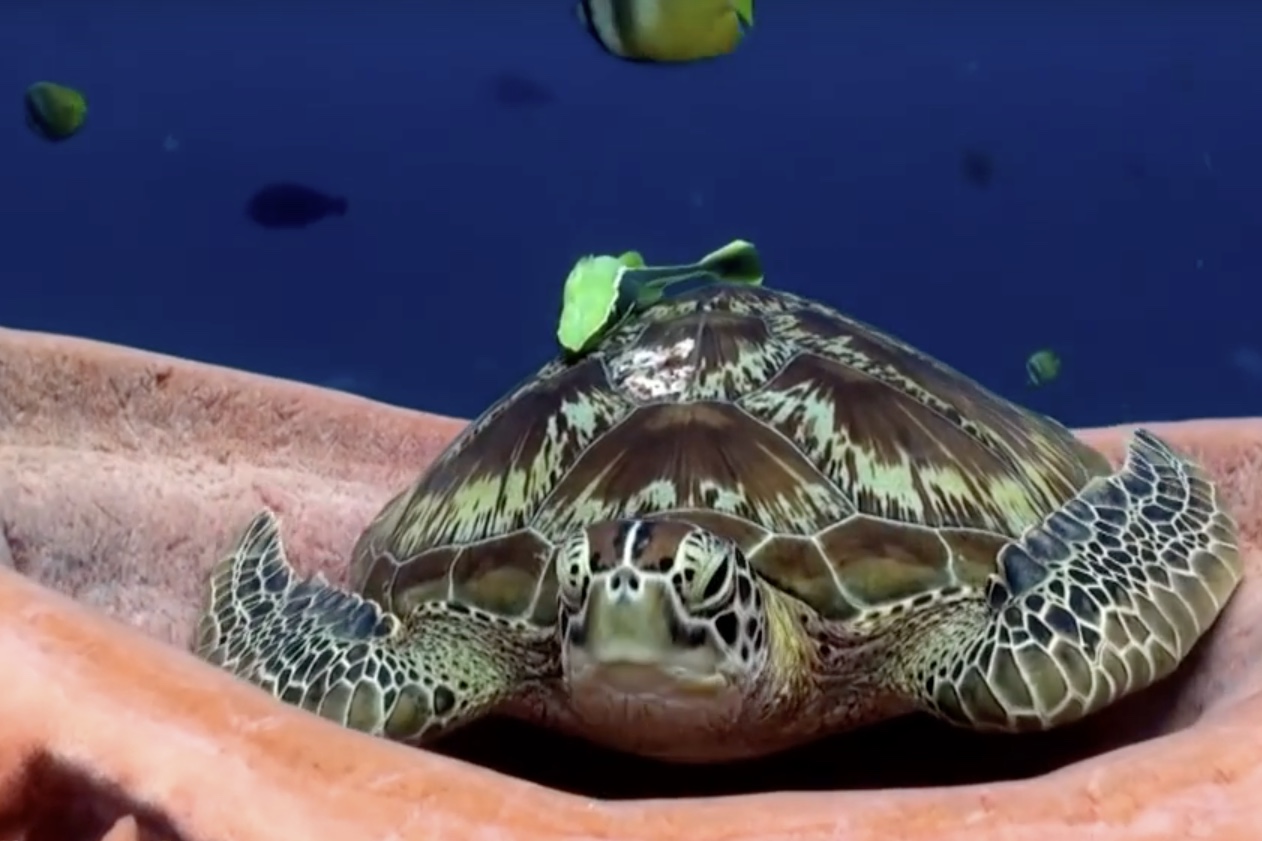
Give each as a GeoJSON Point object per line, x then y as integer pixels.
{"type": "Point", "coordinates": [1104, 598]}
{"type": "Point", "coordinates": [342, 656]}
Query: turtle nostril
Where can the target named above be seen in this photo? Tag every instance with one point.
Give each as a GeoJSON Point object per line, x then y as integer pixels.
{"type": "Point", "coordinates": [624, 581]}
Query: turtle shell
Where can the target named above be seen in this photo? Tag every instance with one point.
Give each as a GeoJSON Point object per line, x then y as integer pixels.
{"type": "Point", "coordinates": [852, 469]}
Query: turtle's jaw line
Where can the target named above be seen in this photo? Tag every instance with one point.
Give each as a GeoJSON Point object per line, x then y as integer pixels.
{"type": "Point", "coordinates": [660, 678]}
{"type": "Point", "coordinates": [632, 660]}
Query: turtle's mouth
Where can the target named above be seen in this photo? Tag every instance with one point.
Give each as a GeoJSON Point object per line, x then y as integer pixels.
{"type": "Point", "coordinates": [661, 678]}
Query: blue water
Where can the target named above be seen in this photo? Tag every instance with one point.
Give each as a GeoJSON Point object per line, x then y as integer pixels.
{"type": "Point", "coordinates": [1121, 228]}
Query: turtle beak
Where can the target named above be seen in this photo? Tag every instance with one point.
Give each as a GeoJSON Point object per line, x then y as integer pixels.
{"type": "Point", "coordinates": [627, 619]}
{"type": "Point", "coordinates": [632, 632]}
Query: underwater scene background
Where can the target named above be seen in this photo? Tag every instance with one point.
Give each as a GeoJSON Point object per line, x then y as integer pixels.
{"type": "Point", "coordinates": [983, 182]}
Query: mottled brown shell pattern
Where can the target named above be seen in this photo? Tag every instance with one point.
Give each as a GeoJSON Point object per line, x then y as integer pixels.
{"type": "Point", "coordinates": [852, 469]}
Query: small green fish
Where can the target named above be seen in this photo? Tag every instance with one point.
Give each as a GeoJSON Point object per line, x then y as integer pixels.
{"type": "Point", "coordinates": [55, 112]}
{"type": "Point", "coordinates": [1042, 367]}
{"type": "Point", "coordinates": [602, 291]}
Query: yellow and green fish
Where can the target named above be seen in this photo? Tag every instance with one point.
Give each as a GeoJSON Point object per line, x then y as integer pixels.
{"type": "Point", "coordinates": [1042, 367]}
{"type": "Point", "coordinates": [667, 30]}
{"type": "Point", "coordinates": [55, 112]}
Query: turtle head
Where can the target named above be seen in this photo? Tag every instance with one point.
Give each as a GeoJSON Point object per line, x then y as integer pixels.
{"type": "Point", "coordinates": [659, 615]}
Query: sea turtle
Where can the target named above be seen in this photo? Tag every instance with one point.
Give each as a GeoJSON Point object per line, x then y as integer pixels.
{"type": "Point", "coordinates": [741, 522]}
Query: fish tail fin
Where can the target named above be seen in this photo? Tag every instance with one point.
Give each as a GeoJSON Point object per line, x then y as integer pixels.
{"type": "Point", "coordinates": [744, 10]}
{"type": "Point", "coordinates": [339, 206]}
{"type": "Point", "coordinates": [736, 262]}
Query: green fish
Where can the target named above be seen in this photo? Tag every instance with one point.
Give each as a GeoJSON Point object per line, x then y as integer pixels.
{"type": "Point", "coordinates": [602, 291]}
{"type": "Point", "coordinates": [1042, 367]}
{"type": "Point", "coordinates": [55, 112]}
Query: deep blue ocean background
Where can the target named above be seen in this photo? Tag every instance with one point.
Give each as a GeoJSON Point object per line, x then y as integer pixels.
{"type": "Point", "coordinates": [1121, 228]}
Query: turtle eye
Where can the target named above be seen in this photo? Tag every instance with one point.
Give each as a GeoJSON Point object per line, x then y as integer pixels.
{"type": "Point", "coordinates": [705, 562]}
{"type": "Point", "coordinates": [574, 564]}
{"type": "Point", "coordinates": [715, 586]}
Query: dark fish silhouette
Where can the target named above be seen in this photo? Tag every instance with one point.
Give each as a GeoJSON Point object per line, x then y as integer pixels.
{"type": "Point", "coordinates": [514, 90]}
{"type": "Point", "coordinates": [285, 205]}
{"type": "Point", "coordinates": [977, 168]}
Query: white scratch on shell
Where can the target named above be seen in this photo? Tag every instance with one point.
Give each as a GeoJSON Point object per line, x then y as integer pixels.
{"type": "Point", "coordinates": [653, 373]}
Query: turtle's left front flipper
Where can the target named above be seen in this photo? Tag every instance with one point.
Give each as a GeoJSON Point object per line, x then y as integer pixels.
{"type": "Point", "coordinates": [1104, 598]}
{"type": "Point", "coordinates": [342, 656]}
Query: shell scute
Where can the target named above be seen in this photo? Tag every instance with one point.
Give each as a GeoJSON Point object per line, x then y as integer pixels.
{"type": "Point", "coordinates": [877, 560]}
{"type": "Point", "coordinates": [890, 454]}
{"type": "Point", "coordinates": [797, 566]}
{"type": "Point", "coordinates": [911, 439]}
{"type": "Point", "coordinates": [687, 456]}
{"type": "Point", "coordinates": [708, 356]}
{"type": "Point", "coordinates": [505, 575]}
{"type": "Point", "coordinates": [522, 451]}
